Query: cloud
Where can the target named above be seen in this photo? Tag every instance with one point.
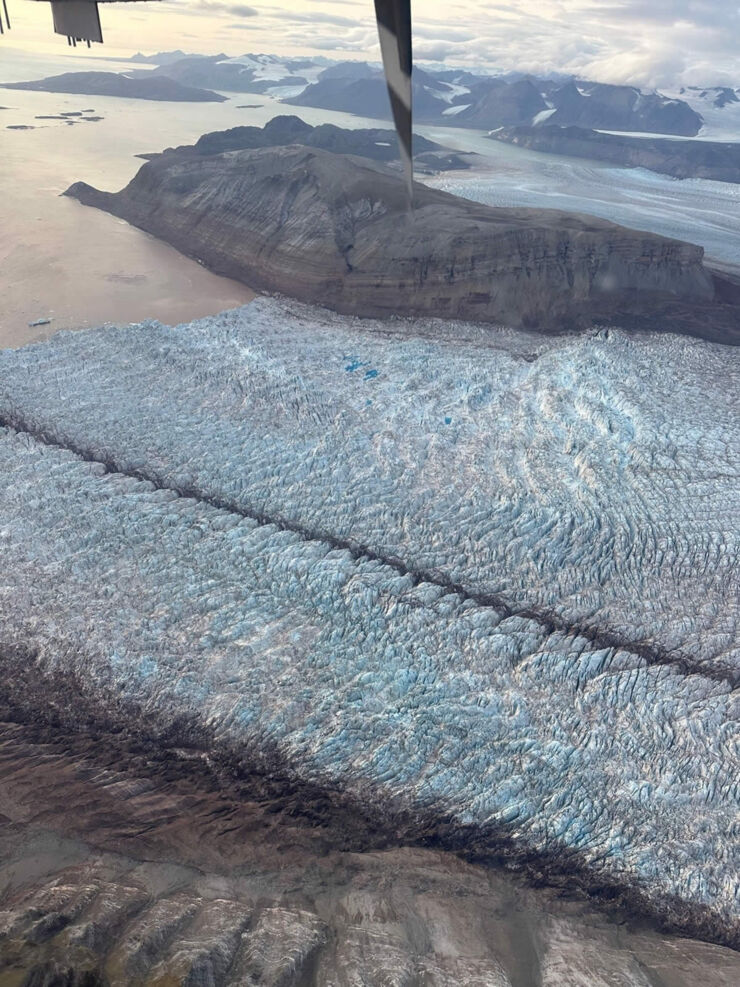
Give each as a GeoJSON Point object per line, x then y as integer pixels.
{"type": "Point", "coordinates": [319, 17]}
{"type": "Point", "coordinates": [433, 51]}
{"type": "Point", "coordinates": [661, 44]}
{"type": "Point", "coordinates": [330, 43]}
{"type": "Point", "coordinates": [221, 6]}
{"type": "Point", "coordinates": [656, 44]}
{"type": "Point", "coordinates": [451, 35]}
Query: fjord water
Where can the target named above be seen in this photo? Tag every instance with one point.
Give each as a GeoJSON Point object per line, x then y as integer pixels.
{"type": "Point", "coordinates": [79, 267]}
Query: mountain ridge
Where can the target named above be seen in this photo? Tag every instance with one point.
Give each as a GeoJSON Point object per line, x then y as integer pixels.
{"type": "Point", "coordinates": [336, 230]}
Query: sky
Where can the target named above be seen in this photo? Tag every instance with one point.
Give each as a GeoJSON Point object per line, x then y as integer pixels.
{"type": "Point", "coordinates": [650, 43]}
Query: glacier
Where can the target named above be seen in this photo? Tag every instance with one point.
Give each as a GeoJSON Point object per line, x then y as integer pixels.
{"type": "Point", "coordinates": [481, 580]}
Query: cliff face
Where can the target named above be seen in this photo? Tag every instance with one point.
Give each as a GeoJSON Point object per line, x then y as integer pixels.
{"type": "Point", "coordinates": [713, 160]}
{"type": "Point", "coordinates": [336, 230]}
{"type": "Point", "coordinates": [507, 104]}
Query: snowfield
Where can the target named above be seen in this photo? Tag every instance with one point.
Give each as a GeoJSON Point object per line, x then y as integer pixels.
{"type": "Point", "coordinates": [480, 575]}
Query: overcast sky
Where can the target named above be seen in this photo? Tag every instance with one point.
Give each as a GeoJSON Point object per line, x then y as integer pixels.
{"type": "Point", "coordinates": [650, 43]}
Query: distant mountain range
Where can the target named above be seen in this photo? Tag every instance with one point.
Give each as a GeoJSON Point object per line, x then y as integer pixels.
{"type": "Point", "coordinates": [445, 98]}
{"type": "Point", "coordinates": [242, 75]}
{"type": "Point", "coordinates": [457, 98]}
{"type": "Point", "coordinates": [712, 160]}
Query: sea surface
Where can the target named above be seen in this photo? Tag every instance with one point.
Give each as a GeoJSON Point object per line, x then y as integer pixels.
{"type": "Point", "coordinates": [78, 267]}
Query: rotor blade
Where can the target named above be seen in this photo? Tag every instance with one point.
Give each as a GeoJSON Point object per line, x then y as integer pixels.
{"type": "Point", "coordinates": [394, 28]}
{"type": "Point", "coordinates": [78, 19]}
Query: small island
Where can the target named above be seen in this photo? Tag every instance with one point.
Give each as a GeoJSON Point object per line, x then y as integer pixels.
{"type": "Point", "coordinates": [158, 88]}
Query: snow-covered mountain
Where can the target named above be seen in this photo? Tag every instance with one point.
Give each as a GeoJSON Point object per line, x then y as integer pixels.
{"type": "Point", "coordinates": [719, 108]}
{"type": "Point", "coordinates": [488, 103]}
{"type": "Point", "coordinates": [460, 98]}
{"type": "Point", "coordinates": [248, 73]}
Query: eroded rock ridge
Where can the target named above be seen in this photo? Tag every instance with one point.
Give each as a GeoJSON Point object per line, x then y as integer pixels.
{"type": "Point", "coordinates": [337, 230]}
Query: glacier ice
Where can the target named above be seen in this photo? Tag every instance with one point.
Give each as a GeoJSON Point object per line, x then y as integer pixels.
{"type": "Point", "coordinates": [590, 478]}
{"type": "Point", "coordinates": [494, 581]}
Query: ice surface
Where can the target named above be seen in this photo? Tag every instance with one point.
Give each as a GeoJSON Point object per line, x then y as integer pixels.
{"type": "Point", "coordinates": [590, 478]}
{"type": "Point", "coordinates": [691, 209]}
{"type": "Point", "coordinates": [720, 122]}
{"type": "Point", "coordinates": [272, 68]}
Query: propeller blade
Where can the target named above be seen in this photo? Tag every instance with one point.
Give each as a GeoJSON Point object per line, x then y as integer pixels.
{"type": "Point", "coordinates": [394, 28]}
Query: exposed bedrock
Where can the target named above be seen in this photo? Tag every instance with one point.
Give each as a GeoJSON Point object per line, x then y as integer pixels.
{"type": "Point", "coordinates": [336, 230]}
{"type": "Point", "coordinates": [378, 145]}
{"type": "Point", "coordinates": [120, 874]}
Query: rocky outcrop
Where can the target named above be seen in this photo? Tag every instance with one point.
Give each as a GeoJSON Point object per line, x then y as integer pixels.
{"type": "Point", "coordinates": [147, 86]}
{"type": "Point", "coordinates": [431, 162]}
{"type": "Point", "coordinates": [507, 104]}
{"type": "Point", "coordinates": [608, 107]}
{"type": "Point", "coordinates": [378, 145]}
{"type": "Point", "coordinates": [367, 96]}
{"type": "Point", "coordinates": [337, 230]}
{"type": "Point", "coordinates": [725, 96]}
{"type": "Point", "coordinates": [719, 162]}
{"type": "Point", "coordinates": [94, 898]}
{"type": "Point", "coordinates": [347, 70]}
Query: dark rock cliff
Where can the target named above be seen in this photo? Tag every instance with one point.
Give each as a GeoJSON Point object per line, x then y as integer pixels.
{"type": "Point", "coordinates": [336, 230]}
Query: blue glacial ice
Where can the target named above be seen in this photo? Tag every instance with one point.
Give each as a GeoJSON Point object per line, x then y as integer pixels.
{"type": "Point", "coordinates": [580, 493]}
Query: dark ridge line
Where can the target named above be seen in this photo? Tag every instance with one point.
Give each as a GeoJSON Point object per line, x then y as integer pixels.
{"type": "Point", "coordinates": [361, 819]}
{"type": "Point", "coordinates": [547, 620]}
